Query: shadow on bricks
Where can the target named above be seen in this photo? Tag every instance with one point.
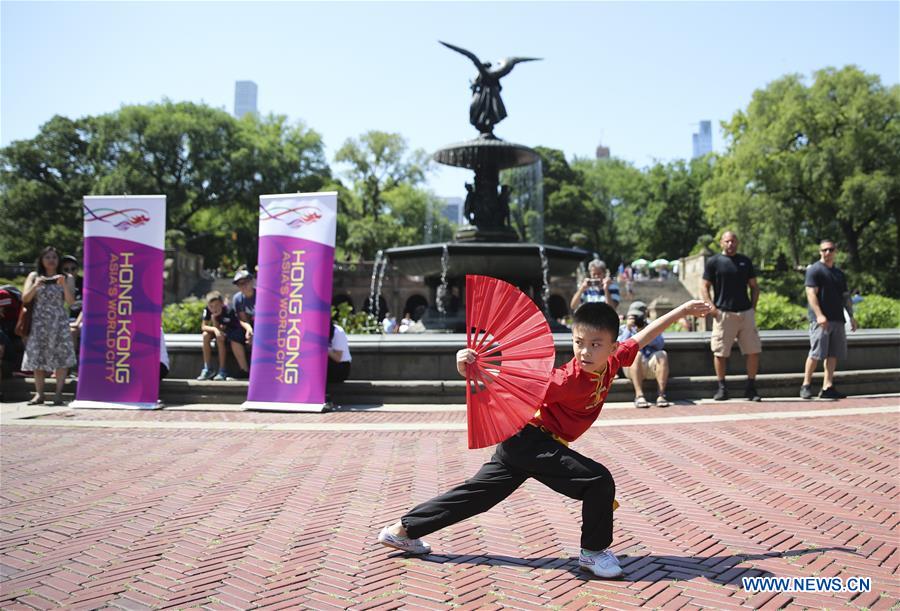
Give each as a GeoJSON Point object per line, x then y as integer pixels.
{"type": "Point", "coordinates": [723, 570]}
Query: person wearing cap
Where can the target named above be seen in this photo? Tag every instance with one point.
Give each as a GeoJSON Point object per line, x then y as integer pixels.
{"type": "Point", "coordinates": [244, 302]}
{"type": "Point", "coordinates": [597, 287]}
{"type": "Point", "coordinates": [651, 360]}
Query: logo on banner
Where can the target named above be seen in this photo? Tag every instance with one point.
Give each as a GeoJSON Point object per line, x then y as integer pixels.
{"type": "Point", "coordinates": [123, 220]}
{"type": "Point", "coordinates": [292, 217]}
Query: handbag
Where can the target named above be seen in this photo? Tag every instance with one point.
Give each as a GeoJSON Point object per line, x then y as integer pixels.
{"type": "Point", "coordinates": [23, 323]}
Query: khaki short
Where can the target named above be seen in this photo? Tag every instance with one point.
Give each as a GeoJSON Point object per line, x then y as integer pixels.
{"type": "Point", "coordinates": [648, 366]}
{"type": "Point", "coordinates": [731, 326]}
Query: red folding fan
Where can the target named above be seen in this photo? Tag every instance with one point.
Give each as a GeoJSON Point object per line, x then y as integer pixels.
{"type": "Point", "coordinates": [508, 380]}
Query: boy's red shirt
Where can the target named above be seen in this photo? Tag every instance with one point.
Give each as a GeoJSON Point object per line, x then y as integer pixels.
{"type": "Point", "coordinates": [575, 397]}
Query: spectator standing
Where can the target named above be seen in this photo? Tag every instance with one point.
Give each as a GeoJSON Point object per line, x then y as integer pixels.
{"type": "Point", "coordinates": [734, 312]}
{"type": "Point", "coordinates": [651, 360]}
{"type": "Point", "coordinates": [49, 346]}
{"type": "Point", "coordinates": [598, 287]}
{"type": "Point", "coordinates": [828, 296]}
{"type": "Point", "coordinates": [338, 355]}
{"type": "Point", "coordinates": [244, 302]}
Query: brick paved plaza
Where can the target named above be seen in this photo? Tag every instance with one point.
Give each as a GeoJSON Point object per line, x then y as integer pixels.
{"type": "Point", "coordinates": [226, 509]}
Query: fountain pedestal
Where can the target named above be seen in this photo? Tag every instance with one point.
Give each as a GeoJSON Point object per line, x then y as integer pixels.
{"type": "Point", "coordinates": [487, 202]}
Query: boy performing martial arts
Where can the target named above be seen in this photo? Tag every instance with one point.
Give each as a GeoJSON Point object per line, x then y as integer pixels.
{"type": "Point", "coordinates": [540, 449]}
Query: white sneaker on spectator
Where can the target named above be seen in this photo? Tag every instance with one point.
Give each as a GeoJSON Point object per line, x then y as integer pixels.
{"type": "Point", "coordinates": [601, 564]}
{"type": "Point", "coordinates": [404, 544]}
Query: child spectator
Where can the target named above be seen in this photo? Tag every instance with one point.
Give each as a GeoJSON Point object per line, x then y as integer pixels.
{"type": "Point", "coordinates": [244, 301]}
{"type": "Point", "coordinates": [540, 449]}
{"type": "Point", "coordinates": [222, 325]}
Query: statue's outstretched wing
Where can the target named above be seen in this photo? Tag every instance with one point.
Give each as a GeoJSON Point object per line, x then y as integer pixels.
{"type": "Point", "coordinates": [507, 64]}
{"type": "Point", "coordinates": [468, 54]}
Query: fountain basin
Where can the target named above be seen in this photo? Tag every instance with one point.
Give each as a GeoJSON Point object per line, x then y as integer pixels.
{"type": "Point", "coordinates": [508, 261]}
{"type": "Point", "coordinates": [486, 152]}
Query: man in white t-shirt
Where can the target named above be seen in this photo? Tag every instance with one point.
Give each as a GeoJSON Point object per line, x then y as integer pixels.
{"type": "Point", "coordinates": [338, 355]}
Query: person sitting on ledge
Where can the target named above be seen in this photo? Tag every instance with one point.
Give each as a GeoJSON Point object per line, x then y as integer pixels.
{"type": "Point", "coordinates": [244, 302]}
{"type": "Point", "coordinates": [338, 355]}
{"type": "Point", "coordinates": [652, 360]}
{"type": "Point", "coordinates": [221, 324]}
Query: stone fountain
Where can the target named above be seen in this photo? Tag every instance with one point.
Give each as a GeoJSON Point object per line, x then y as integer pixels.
{"type": "Point", "coordinates": [489, 245]}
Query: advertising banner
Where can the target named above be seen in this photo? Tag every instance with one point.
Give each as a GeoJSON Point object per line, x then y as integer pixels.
{"type": "Point", "coordinates": [124, 248]}
{"type": "Point", "coordinates": [289, 359]}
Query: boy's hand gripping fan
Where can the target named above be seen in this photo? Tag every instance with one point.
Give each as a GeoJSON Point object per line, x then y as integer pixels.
{"type": "Point", "coordinates": [510, 375]}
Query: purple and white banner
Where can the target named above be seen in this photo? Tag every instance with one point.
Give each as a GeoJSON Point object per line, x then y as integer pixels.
{"type": "Point", "coordinates": [124, 247]}
{"type": "Point", "coordinates": [289, 362]}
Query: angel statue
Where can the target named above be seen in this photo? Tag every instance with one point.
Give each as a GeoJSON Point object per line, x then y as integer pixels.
{"type": "Point", "coordinates": [487, 108]}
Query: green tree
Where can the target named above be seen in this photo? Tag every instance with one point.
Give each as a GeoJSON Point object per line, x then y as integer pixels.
{"type": "Point", "coordinates": [387, 206]}
{"type": "Point", "coordinates": [378, 162]}
{"type": "Point", "coordinates": [807, 162]}
{"type": "Point", "coordinates": [211, 167]}
{"type": "Point", "coordinates": [42, 181]}
{"type": "Point", "coordinates": [571, 216]}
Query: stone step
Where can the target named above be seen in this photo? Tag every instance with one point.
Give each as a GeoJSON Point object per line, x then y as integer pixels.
{"type": "Point", "coordinates": [176, 391]}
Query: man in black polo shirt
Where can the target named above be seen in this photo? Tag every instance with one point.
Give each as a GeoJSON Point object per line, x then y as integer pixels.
{"type": "Point", "coordinates": [734, 312]}
{"type": "Point", "coordinates": [828, 296]}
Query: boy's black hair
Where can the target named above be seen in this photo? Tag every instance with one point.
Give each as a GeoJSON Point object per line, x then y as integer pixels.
{"type": "Point", "coordinates": [598, 316]}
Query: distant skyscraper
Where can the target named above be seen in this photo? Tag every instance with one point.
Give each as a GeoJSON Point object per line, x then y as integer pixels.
{"type": "Point", "coordinates": [244, 98]}
{"type": "Point", "coordinates": [703, 139]}
{"type": "Point", "coordinates": [453, 209]}
{"type": "Point", "coordinates": [602, 152]}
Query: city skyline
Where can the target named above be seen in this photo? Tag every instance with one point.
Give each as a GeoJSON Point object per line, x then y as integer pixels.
{"type": "Point", "coordinates": [636, 73]}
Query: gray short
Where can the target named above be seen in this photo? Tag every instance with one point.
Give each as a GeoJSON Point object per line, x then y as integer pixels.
{"type": "Point", "coordinates": [831, 343]}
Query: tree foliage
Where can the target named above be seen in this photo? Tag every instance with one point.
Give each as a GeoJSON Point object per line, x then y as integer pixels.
{"type": "Point", "coordinates": [811, 162]}
{"type": "Point", "coordinates": [210, 166]}
{"type": "Point", "coordinates": [387, 206]}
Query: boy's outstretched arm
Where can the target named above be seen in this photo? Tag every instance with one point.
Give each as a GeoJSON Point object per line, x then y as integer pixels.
{"type": "Point", "coordinates": [695, 307]}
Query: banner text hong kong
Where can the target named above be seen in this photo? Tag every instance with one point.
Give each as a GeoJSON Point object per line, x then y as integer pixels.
{"type": "Point", "coordinates": [122, 295]}
{"type": "Point", "coordinates": [293, 301]}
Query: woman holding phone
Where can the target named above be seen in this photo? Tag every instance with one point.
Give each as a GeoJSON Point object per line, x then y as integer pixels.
{"type": "Point", "coordinates": [49, 345]}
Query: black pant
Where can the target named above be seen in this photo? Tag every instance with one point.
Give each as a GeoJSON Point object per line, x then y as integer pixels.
{"type": "Point", "coordinates": [529, 453]}
{"type": "Point", "coordinates": [338, 372]}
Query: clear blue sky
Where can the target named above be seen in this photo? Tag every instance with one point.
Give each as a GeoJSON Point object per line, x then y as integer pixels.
{"type": "Point", "coordinates": [637, 76]}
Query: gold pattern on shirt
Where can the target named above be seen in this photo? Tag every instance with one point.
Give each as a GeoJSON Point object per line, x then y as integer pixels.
{"type": "Point", "coordinates": [599, 389]}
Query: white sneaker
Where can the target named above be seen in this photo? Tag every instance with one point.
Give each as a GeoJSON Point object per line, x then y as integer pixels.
{"type": "Point", "coordinates": [601, 564]}
{"type": "Point", "coordinates": [404, 544]}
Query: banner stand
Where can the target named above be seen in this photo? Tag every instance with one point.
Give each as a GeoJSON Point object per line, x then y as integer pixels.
{"type": "Point", "coordinates": [120, 355]}
{"type": "Point", "coordinates": [289, 361]}
{"type": "Point", "coordinates": [269, 406]}
{"type": "Point", "coordinates": [108, 405]}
